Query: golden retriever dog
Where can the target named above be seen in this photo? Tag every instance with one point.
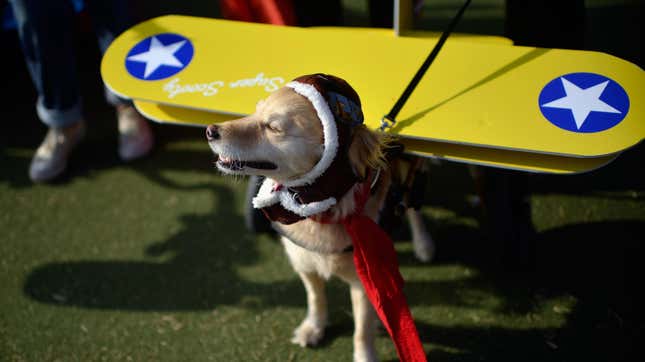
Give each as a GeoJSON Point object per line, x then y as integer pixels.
{"type": "Point", "coordinates": [286, 141]}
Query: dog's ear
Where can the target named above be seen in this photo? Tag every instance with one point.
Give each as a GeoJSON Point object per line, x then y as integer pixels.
{"type": "Point", "coordinates": [366, 151]}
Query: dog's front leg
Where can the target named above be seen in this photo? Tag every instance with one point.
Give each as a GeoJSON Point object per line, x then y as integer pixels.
{"type": "Point", "coordinates": [364, 325]}
{"type": "Point", "coordinates": [312, 328]}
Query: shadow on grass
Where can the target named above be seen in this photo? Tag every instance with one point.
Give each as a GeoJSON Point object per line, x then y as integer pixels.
{"type": "Point", "coordinates": [200, 258]}
{"type": "Point", "coordinates": [598, 264]}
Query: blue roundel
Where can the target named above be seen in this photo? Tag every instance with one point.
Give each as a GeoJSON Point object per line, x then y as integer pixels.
{"type": "Point", "coordinates": [584, 102]}
{"type": "Point", "coordinates": [159, 56]}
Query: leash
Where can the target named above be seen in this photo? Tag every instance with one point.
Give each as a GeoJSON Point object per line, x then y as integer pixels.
{"type": "Point", "coordinates": [375, 258]}
{"type": "Point", "coordinates": [390, 119]}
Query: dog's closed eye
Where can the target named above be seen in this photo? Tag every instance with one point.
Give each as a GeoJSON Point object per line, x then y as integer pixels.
{"type": "Point", "coordinates": [274, 124]}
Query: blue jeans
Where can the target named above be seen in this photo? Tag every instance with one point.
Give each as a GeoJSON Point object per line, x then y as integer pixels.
{"type": "Point", "coordinates": [46, 30]}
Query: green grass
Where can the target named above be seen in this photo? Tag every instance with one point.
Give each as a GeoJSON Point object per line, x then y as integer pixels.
{"type": "Point", "coordinates": [150, 261]}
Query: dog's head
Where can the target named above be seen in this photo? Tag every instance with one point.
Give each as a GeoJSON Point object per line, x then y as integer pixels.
{"type": "Point", "coordinates": [282, 139]}
{"type": "Point", "coordinates": [285, 139]}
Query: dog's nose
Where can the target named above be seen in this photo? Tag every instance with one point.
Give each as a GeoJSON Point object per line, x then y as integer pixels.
{"type": "Point", "coordinates": [212, 132]}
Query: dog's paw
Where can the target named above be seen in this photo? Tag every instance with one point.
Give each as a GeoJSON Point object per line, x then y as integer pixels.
{"type": "Point", "coordinates": [365, 354]}
{"type": "Point", "coordinates": [308, 334]}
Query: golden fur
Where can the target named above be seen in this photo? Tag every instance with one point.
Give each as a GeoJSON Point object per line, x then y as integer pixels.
{"type": "Point", "coordinates": [285, 130]}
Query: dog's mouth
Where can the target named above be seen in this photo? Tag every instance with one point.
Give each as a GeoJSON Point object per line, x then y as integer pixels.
{"type": "Point", "coordinates": [239, 165]}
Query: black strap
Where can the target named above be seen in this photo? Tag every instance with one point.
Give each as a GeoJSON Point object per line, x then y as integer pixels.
{"type": "Point", "coordinates": [390, 118]}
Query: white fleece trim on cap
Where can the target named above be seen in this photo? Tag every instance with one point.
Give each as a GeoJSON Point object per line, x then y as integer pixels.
{"type": "Point", "coordinates": [305, 210]}
{"type": "Point", "coordinates": [267, 196]}
{"type": "Point", "coordinates": [330, 133]}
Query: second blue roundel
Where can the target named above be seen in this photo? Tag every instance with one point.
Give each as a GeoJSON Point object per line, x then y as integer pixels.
{"type": "Point", "coordinates": [584, 102]}
{"type": "Point", "coordinates": [159, 56]}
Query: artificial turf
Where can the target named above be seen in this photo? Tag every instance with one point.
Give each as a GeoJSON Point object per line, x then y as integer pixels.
{"type": "Point", "coordinates": [151, 261]}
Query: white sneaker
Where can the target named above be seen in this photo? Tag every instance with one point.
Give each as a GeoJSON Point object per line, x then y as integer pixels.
{"type": "Point", "coordinates": [50, 159]}
{"type": "Point", "coordinates": [135, 135]}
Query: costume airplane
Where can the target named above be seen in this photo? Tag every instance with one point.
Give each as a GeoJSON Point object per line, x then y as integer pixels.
{"type": "Point", "coordinates": [483, 101]}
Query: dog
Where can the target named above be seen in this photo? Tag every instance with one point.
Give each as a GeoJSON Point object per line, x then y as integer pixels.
{"type": "Point", "coordinates": [286, 140]}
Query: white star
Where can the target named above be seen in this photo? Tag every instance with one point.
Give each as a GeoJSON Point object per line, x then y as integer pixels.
{"type": "Point", "coordinates": [581, 102]}
{"type": "Point", "coordinates": [158, 55]}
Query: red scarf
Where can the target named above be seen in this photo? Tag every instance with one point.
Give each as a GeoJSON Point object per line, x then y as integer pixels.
{"type": "Point", "coordinates": [377, 267]}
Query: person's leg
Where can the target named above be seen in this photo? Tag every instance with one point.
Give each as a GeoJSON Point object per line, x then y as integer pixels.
{"type": "Point", "coordinates": [45, 28]}
{"type": "Point", "coordinates": [110, 18]}
{"type": "Point", "coordinates": [46, 34]}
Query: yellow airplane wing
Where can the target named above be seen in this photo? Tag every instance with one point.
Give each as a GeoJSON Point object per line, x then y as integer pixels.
{"type": "Point", "coordinates": [163, 113]}
{"type": "Point", "coordinates": [481, 94]}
